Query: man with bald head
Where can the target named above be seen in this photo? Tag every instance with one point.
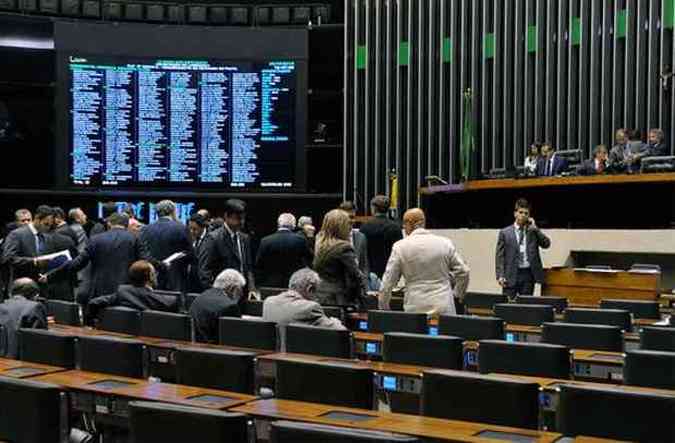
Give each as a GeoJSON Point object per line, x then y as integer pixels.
{"type": "Point", "coordinates": [429, 264]}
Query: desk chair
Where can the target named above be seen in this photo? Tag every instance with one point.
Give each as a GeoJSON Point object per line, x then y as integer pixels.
{"type": "Point", "coordinates": [528, 315]}
{"type": "Point", "coordinates": [423, 350]}
{"type": "Point", "coordinates": [649, 369]}
{"type": "Point", "coordinates": [254, 308]}
{"type": "Point", "coordinates": [32, 412]}
{"type": "Point", "coordinates": [247, 333]}
{"type": "Point", "coordinates": [297, 432]}
{"type": "Point", "coordinates": [167, 325]}
{"type": "Point", "coordinates": [120, 319]}
{"type": "Point", "coordinates": [615, 414]}
{"type": "Point", "coordinates": [394, 321]}
{"type": "Point", "coordinates": [167, 423]}
{"type": "Point", "coordinates": [657, 339]}
{"type": "Point", "coordinates": [535, 359]}
{"type": "Point", "coordinates": [470, 327]}
{"type": "Point", "coordinates": [65, 313]}
{"type": "Point", "coordinates": [639, 308]}
{"type": "Point", "coordinates": [189, 299]}
{"type": "Point", "coordinates": [269, 291]}
{"type": "Point", "coordinates": [576, 336]}
{"type": "Point", "coordinates": [559, 303]}
{"type": "Point", "coordinates": [610, 317]}
{"type": "Point", "coordinates": [47, 347]}
{"type": "Point", "coordinates": [481, 300]}
{"type": "Point", "coordinates": [117, 356]}
{"type": "Point", "coordinates": [339, 384]}
{"type": "Point", "coordinates": [303, 339]}
{"type": "Point", "coordinates": [215, 369]}
{"type": "Point", "coordinates": [489, 399]}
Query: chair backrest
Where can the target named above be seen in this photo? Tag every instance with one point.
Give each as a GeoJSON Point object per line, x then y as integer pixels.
{"type": "Point", "coordinates": [117, 356]}
{"type": "Point", "coordinates": [395, 321]}
{"type": "Point", "coordinates": [535, 359]}
{"type": "Point", "coordinates": [615, 414]}
{"type": "Point", "coordinates": [639, 308]}
{"type": "Point", "coordinates": [269, 291]}
{"type": "Point", "coordinates": [167, 325]}
{"type": "Point", "coordinates": [396, 303]}
{"type": "Point", "coordinates": [254, 308]}
{"type": "Point", "coordinates": [458, 395]}
{"type": "Point", "coordinates": [335, 384]}
{"type": "Point", "coordinates": [47, 347]}
{"type": "Point", "coordinates": [576, 336]}
{"type": "Point", "coordinates": [65, 312]}
{"type": "Point", "coordinates": [611, 317]}
{"type": "Point", "coordinates": [303, 339]}
{"type": "Point", "coordinates": [559, 303]}
{"type": "Point", "coordinates": [160, 422]}
{"type": "Point", "coordinates": [120, 319]}
{"type": "Point", "coordinates": [424, 350]}
{"type": "Point", "coordinates": [481, 300]}
{"type": "Point", "coordinates": [335, 312]}
{"type": "Point", "coordinates": [470, 327]}
{"type": "Point", "coordinates": [650, 369]}
{"type": "Point", "coordinates": [529, 315]}
{"type": "Point", "coordinates": [294, 432]}
{"type": "Point", "coordinates": [189, 299]}
{"type": "Point", "coordinates": [657, 339]}
{"type": "Point", "coordinates": [32, 411]}
{"type": "Point", "coordinates": [247, 333]}
{"type": "Point", "coordinates": [216, 369]}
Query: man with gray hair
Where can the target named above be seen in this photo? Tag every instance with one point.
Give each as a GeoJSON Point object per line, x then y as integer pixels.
{"type": "Point", "coordinates": [21, 311]}
{"type": "Point", "coordinates": [297, 305]}
{"type": "Point", "coordinates": [219, 301]}
{"type": "Point", "coordinates": [281, 254]}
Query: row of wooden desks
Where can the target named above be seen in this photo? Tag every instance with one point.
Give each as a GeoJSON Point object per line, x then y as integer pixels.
{"type": "Point", "coordinates": [19, 369]}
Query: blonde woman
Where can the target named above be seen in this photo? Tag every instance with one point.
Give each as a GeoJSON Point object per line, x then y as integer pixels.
{"type": "Point", "coordinates": [342, 283]}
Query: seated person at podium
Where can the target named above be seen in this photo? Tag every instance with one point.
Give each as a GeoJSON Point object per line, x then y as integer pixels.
{"type": "Point", "coordinates": [20, 310]}
{"type": "Point", "coordinates": [222, 300]}
{"type": "Point", "coordinates": [655, 144]}
{"type": "Point", "coordinates": [597, 164]}
{"type": "Point", "coordinates": [138, 295]}
{"type": "Point", "coordinates": [625, 156]}
{"type": "Point", "coordinates": [550, 164]}
{"type": "Point", "coordinates": [532, 159]}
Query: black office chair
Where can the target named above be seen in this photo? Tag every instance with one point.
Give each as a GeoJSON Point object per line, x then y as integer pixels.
{"type": "Point", "coordinates": [639, 308]}
{"type": "Point", "coordinates": [481, 300]}
{"type": "Point", "coordinates": [393, 321]}
{"type": "Point", "coordinates": [120, 319]}
{"type": "Point", "coordinates": [423, 350]}
{"type": "Point", "coordinates": [610, 317]}
{"type": "Point", "coordinates": [559, 303]}
{"type": "Point", "coordinates": [650, 369]}
{"type": "Point", "coordinates": [167, 423]}
{"type": "Point", "coordinates": [615, 414]}
{"type": "Point", "coordinates": [576, 336]}
{"type": "Point", "coordinates": [535, 359]}
{"type": "Point", "coordinates": [303, 339]}
{"type": "Point", "coordinates": [47, 347]}
{"type": "Point", "coordinates": [528, 315]}
{"type": "Point", "coordinates": [247, 333]}
{"type": "Point", "coordinates": [65, 312]}
{"type": "Point", "coordinates": [216, 369]}
{"type": "Point", "coordinates": [298, 432]}
{"type": "Point", "coordinates": [269, 291]}
{"type": "Point", "coordinates": [334, 384]}
{"type": "Point", "coordinates": [167, 325]}
{"type": "Point", "coordinates": [32, 411]}
{"type": "Point", "coordinates": [189, 299]}
{"type": "Point", "coordinates": [396, 303]}
{"type": "Point", "coordinates": [117, 356]}
{"type": "Point", "coordinates": [657, 339]}
{"type": "Point", "coordinates": [471, 327]}
{"type": "Point", "coordinates": [479, 398]}
{"type": "Point", "coordinates": [253, 308]}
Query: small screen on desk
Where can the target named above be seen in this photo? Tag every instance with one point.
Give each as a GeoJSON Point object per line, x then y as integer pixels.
{"type": "Point", "coordinates": [371, 348]}
{"type": "Point", "coordinates": [433, 330]}
{"type": "Point", "coordinates": [389, 383]}
{"type": "Point", "coordinates": [507, 436]}
{"type": "Point", "coordinates": [363, 325]}
{"type": "Point", "coordinates": [510, 337]}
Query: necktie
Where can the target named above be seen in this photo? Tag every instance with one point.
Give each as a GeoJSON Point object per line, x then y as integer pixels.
{"type": "Point", "coordinates": [601, 167]}
{"type": "Point", "coordinates": [550, 167]}
{"type": "Point", "coordinates": [39, 243]}
{"type": "Point", "coordinates": [237, 248]}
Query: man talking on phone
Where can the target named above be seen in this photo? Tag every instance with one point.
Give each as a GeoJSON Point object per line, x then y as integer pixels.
{"type": "Point", "coordinates": [517, 262]}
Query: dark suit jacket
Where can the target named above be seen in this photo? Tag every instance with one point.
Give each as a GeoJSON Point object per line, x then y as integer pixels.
{"type": "Point", "coordinates": [16, 313]}
{"type": "Point", "coordinates": [163, 238]}
{"type": "Point", "coordinates": [508, 250]}
{"type": "Point", "coordinates": [588, 167]}
{"type": "Point", "coordinates": [141, 299]}
{"type": "Point", "coordinates": [559, 166]}
{"type": "Point", "coordinates": [658, 150]}
{"type": "Point", "coordinates": [198, 279]}
{"type": "Point", "coordinates": [381, 233]}
{"type": "Point", "coordinates": [221, 255]}
{"type": "Point", "coordinates": [19, 251]}
{"type": "Point", "coordinates": [205, 311]}
{"type": "Point", "coordinates": [279, 256]}
{"type": "Point", "coordinates": [68, 232]}
{"type": "Point", "coordinates": [63, 289]}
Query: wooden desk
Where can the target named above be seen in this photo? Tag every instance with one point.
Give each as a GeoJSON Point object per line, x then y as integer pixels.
{"type": "Point", "coordinates": [23, 369]}
{"type": "Point", "coordinates": [588, 287]}
{"type": "Point", "coordinates": [597, 365]}
{"type": "Point", "coordinates": [423, 427]}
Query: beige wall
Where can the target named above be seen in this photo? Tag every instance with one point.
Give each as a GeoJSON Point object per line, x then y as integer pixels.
{"type": "Point", "coordinates": [477, 246]}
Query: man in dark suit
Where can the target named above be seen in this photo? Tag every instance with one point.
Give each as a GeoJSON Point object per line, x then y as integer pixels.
{"type": "Point", "coordinates": [198, 280]}
{"type": "Point", "coordinates": [139, 294]}
{"type": "Point", "coordinates": [381, 233]}
{"type": "Point", "coordinates": [21, 311]}
{"type": "Point", "coordinates": [656, 147]}
{"type": "Point", "coordinates": [358, 240]}
{"type": "Point", "coordinates": [61, 227]}
{"type": "Point", "coordinates": [596, 165]}
{"type": "Point", "coordinates": [229, 248]}
{"type": "Point", "coordinates": [222, 300]}
{"type": "Point", "coordinates": [165, 237]}
{"type": "Point", "coordinates": [108, 209]}
{"type": "Point", "coordinates": [518, 263]}
{"type": "Point", "coordinates": [281, 254]}
{"type": "Point", "coordinates": [550, 164]}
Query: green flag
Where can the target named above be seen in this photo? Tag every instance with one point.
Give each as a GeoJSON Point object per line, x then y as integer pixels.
{"type": "Point", "coordinates": [467, 137]}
